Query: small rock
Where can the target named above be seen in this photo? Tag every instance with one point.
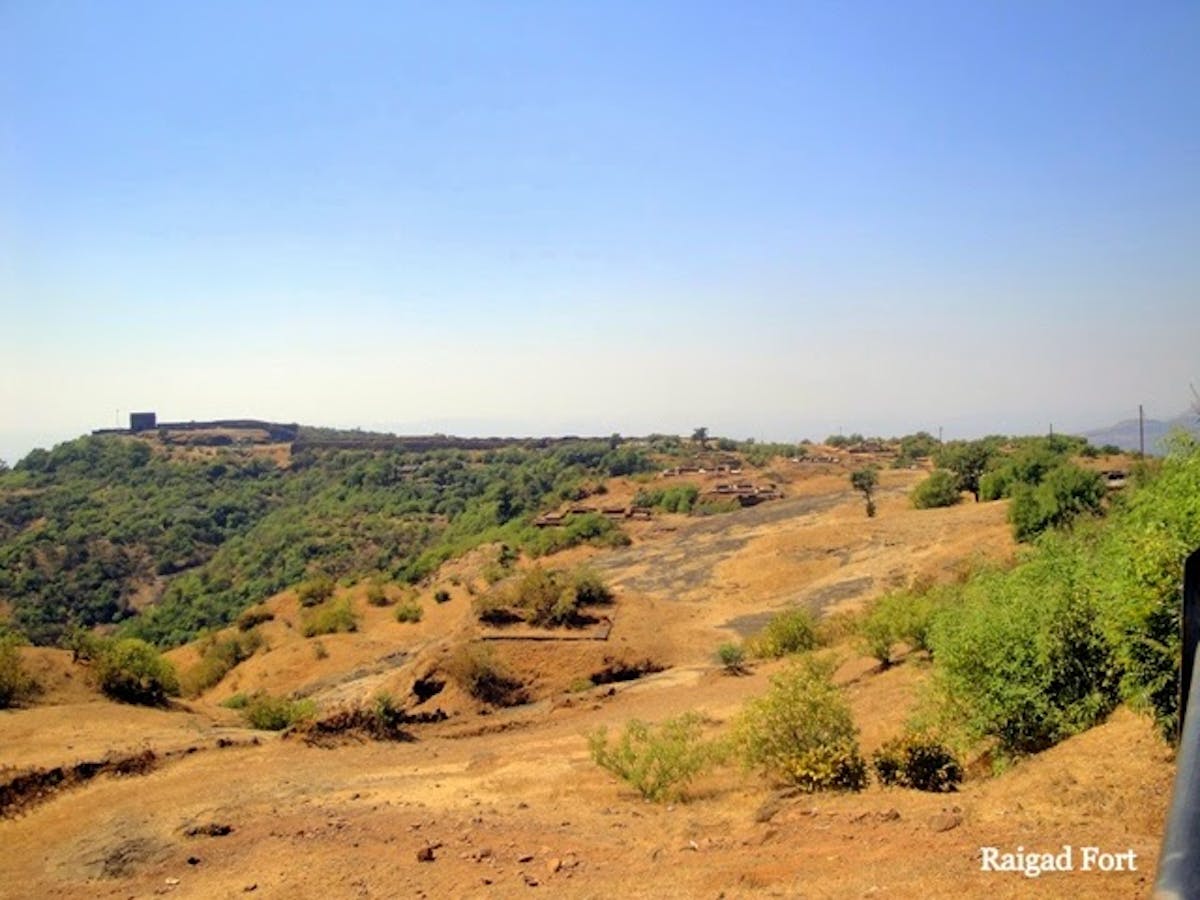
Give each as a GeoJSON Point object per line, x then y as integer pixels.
{"type": "Point", "coordinates": [193, 860]}
{"type": "Point", "coordinates": [171, 882]}
{"type": "Point", "coordinates": [945, 821]}
{"type": "Point", "coordinates": [250, 888]}
{"type": "Point", "coordinates": [769, 810]}
{"type": "Point", "coordinates": [212, 829]}
{"type": "Point", "coordinates": [525, 857]}
{"type": "Point", "coordinates": [554, 865]}
{"type": "Point", "coordinates": [425, 854]}
{"type": "Point", "coordinates": [889, 815]}
{"type": "Point", "coordinates": [529, 879]}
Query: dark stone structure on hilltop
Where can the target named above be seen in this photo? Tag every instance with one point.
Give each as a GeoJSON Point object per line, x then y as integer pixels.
{"type": "Point", "coordinates": [143, 421]}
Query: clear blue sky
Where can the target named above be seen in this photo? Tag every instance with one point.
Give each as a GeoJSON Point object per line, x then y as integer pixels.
{"type": "Point", "coordinates": [772, 219]}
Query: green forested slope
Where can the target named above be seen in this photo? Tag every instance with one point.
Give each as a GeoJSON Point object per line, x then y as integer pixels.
{"type": "Point", "coordinates": [86, 526]}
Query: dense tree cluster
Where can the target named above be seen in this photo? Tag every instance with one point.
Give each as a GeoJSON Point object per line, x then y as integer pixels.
{"type": "Point", "coordinates": [88, 525]}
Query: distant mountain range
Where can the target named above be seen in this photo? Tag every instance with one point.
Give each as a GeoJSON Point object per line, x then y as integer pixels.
{"type": "Point", "coordinates": [1125, 433]}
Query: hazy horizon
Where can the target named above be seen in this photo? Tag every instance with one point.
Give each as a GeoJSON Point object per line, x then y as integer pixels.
{"type": "Point", "coordinates": [777, 221]}
{"type": "Point", "coordinates": [14, 446]}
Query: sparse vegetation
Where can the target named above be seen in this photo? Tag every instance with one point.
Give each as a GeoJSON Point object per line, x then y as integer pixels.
{"type": "Point", "coordinates": [919, 762]}
{"type": "Point", "coordinates": [16, 685]}
{"type": "Point", "coordinates": [132, 671]}
{"type": "Point", "coordinates": [217, 657]}
{"type": "Point", "coordinates": [544, 597]}
{"type": "Point", "coordinates": [657, 761]}
{"type": "Point", "coordinates": [865, 481]}
{"type": "Point", "coordinates": [252, 618]}
{"type": "Point", "coordinates": [315, 591]}
{"type": "Point", "coordinates": [679, 498]}
{"type": "Point", "coordinates": [476, 670]}
{"type": "Point", "coordinates": [791, 631]}
{"type": "Point", "coordinates": [268, 713]}
{"type": "Point", "coordinates": [801, 732]}
{"type": "Point", "coordinates": [333, 617]}
{"type": "Point", "coordinates": [377, 594]}
{"type": "Point", "coordinates": [715, 507]}
{"type": "Point", "coordinates": [409, 611]}
{"type": "Point", "coordinates": [732, 657]}
{"type": "Point", "coordinates": [441, 596]}
{"type": "Point", "coordinates": [388, 717]}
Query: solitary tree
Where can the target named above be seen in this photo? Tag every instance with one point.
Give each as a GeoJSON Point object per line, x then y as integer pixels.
{"type": "Point", "coordinates": [700, 436]}
{"type": "Point", "coordinates": [866, 480]}
{"type": "Point", "coordinates": [968, 460]}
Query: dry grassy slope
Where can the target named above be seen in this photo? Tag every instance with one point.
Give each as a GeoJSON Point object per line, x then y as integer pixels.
{"type": "Point", "coordinates": [511, 798]}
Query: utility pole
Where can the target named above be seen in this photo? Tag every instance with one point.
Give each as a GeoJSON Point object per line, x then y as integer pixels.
{"type": "Point", "coordinates": [1141, 431]}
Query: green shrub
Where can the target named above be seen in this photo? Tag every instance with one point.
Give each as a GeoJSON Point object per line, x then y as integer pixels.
{"type": "Point", "coordinates": [377, 595]}
{"type": "Point", "coordinates": [878, 637]}
{"type": "Point", "coordinates": [333, 617]}
{"type": "Point", "coordinates": [919, 762]}
{"type": "Point", "coordinates": [252, 618]}
{"type": "Point", "coordinates": [388, 716]}
{"type": "Point", "coordinates": [1136, 572]}
{"type": "Point", "coordinates": [902, 617]}
{"type": "Point", "coordinates": [16, 685]}
{"type": "Point", "coordinates": [939, 489]}
{"type": "Point", "coordinates": [865, 481]}
{"type": "Point", "coordinates": [85, 645]}
{"type": "Point", "coordinates": [792, 631]}
{"type": "Point", "coordinates": [316, 590]}
{"type": "Point", "coordinates": [715, 507]}
{"type": "Point", "coordinates": [544, 597]}
{"type": "Point", "coordinates": [658, 762]}
{"type": "Point", "coordinates": [132, 671]}
{"type": "Point", "coordinates": [995, 485]}
{"type": "Point", "coordinates": [476, 670]}
{"type": "Point", "coordinates": [236, 701]}
{"type": "Point", "coordinates": [1023, 659]}
{"type": "Point", "coordinates": [409, 611]}
{"type": "Point", "coordinates": [732, 657]}
{"type": "Point", "coordinates": [679, 498]}
{"type": "Point", "coordinates": [1065, 493]}
{"type": "Point", "coordinates": [801, 732]}
{"type": "Point", "coordinates": [269, 713]}
{"type": "Point", "coordinates": [217, 657]}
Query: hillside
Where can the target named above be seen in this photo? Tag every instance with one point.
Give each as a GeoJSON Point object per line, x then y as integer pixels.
{"type": "Point", "coordinates": [509, 800]}
{"type": "Point", "coordinates": [1125, 434]}
{"type": "Point", "coordinates": [474, 795]}
{"type": "Point", "coordinates": [104, 528]}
